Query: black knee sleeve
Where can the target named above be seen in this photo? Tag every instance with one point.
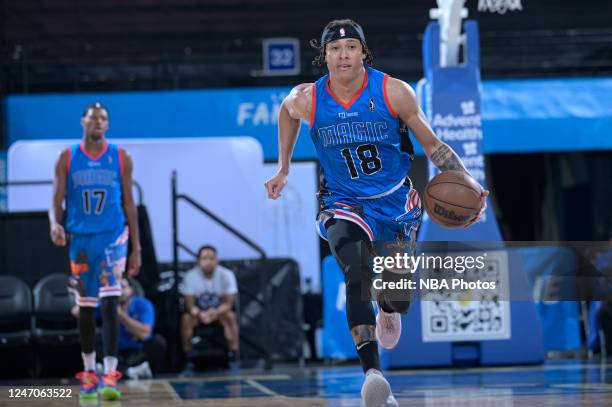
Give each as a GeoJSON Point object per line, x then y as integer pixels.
{"type": "Point", "coordinates": [388, 305]}
{"type": "Point", "coordinates": [347, 242]}
{"type": "Point", "coordinates": [110, 326]}
{"type": "Point", "coordinates": [394, 300]}
{"type": "Point", "coordinates": [359, 311]}
{"type": "Point", "coordinates": [87, 329]}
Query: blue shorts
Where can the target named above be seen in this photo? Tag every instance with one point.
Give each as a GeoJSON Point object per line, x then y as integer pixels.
{"type": "Point", "coordinates": [97, 263]}
{"type": "Point", "coordinates": [392, 215]}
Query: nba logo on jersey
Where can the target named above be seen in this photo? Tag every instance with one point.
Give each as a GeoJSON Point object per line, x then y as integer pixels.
{"type": "Point", "coordinates": [342, 32]}
{"type": "Point", "coordinates": [371, 105]}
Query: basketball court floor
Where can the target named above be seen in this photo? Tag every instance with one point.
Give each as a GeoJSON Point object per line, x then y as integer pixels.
{"type": "Point", "coordinates": [565, 383]}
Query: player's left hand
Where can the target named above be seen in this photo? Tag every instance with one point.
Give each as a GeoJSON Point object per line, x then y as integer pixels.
{"type": "Point", "coordinates": [134, 264]}
{"type": "Point", "coordinates": [483, 208]}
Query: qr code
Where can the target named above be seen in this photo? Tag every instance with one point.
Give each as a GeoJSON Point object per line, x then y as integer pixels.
{"type": "Point", "coordinates": [470, 315]}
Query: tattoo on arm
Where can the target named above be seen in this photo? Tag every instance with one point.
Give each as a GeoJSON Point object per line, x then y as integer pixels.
{"type": "Point", "coordinates": [446, 159]}
{"type": "Point", "coordinates": [363, 333]}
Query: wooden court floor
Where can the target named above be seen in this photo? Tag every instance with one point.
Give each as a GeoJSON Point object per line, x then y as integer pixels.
{"type": "Point", "coordinates": [566, 383]}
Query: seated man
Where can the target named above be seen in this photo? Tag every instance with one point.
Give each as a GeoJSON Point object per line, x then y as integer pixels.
{"type": "Point", "coordinates": [209, 290]}
{"type": "Point", "coordinates": [139, 349]}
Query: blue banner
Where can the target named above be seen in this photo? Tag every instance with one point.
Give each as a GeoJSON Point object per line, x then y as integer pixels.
{"type": "Point", "coordinates": [3, 202]}
{"type": "Point", "coordinates": [517, 116]}
{"type": "Point", "coordinates": [163, 114]}
{"type": "Point", "coordinates": [453, 108]}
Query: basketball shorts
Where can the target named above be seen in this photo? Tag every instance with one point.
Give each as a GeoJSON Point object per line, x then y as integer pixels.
{"type": "Point", "coordinates": [97, 262]}
{"type": "Point", "coordinates": [389, 216]}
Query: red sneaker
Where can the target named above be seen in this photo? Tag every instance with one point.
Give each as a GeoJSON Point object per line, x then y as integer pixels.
{"type": "Point", "coordinates": [89, 384]}
{"type": "Point", "coordinates": [108, 387]}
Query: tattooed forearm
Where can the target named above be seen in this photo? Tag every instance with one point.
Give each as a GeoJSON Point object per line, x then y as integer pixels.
{"type": "Point", "coordinates": [363, 333]}
{"type": "Point", "coordinates": [446, 160]}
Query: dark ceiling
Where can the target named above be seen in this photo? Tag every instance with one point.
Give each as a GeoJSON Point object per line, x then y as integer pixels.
{"type": "Point", "coordinates": [72, 45]}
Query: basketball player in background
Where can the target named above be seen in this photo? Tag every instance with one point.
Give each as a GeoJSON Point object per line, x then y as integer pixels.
{"type": "Point", "coordinates": [93, 180]}
{"type": "Point", "coordinates": [358, 120]}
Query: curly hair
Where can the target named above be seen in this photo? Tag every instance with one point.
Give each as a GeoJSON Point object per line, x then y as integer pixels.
{"type": "Point", "coordinates": [319, 59]}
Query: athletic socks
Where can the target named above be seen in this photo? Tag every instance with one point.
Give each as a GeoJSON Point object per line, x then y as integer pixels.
{"type": "Point", "coordinates": [368, 355]}
{"type": "Point", "coordinates": [89, 361]}
{"type": "Point", "coordinates": [110, 364]}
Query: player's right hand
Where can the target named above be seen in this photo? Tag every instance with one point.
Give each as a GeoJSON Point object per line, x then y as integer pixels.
{"type": "Point", "coordinates": [58, 235]}
{"type": "Point", "coordinates": [275, 185]}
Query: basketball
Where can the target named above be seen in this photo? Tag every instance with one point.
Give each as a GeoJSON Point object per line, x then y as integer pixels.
{"type": "Point", "coordinates": [452, 198]}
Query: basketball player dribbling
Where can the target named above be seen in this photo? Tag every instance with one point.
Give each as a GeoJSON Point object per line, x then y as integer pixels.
{"type": "Point", "coordinates": [358, 120]}
{"type": "Point", "coordinates": [94, 179]}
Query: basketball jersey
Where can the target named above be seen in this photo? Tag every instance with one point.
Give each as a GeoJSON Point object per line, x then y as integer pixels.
{"type": "Point", "coordinates": [359, 144]}
{"type": "Point", "coordinates": [93, 190]}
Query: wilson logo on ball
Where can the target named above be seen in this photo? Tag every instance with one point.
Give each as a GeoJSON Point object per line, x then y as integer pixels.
{"type": "Point", "coordinates": [452, 198]}
{"type": "Point", "coordinates": [450, 215]}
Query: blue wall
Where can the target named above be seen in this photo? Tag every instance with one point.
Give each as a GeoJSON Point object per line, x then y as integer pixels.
{"type": "Point", "coordinates": [518, 115]}
{"type": "Point", "coordinates": [2, 179]}
{"type": "Point", "coordinates": [547, 115]}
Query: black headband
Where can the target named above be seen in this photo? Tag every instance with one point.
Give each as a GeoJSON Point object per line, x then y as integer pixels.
{"type": "Point", "coordinates": [342, 31]}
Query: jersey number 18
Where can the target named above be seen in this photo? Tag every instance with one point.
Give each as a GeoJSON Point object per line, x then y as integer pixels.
{"type": "Point", "coordinates": [368, 158]}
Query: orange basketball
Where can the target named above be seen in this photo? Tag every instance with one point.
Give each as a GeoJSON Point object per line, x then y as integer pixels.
{"type": "Point", "coordinates": [452, 198]}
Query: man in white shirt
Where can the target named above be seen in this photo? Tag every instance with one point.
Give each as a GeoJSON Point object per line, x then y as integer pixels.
{"type": "Point", "coordinates": [209, 291]}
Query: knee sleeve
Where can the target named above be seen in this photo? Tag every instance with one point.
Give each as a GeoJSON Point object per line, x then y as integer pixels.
{"type": "Point", "coordinates": [359, 310]}
{"type": "Point", "coordinates": [110, 326]}
{"type": "Point", "coordinates": [347, 242]}
{"type": "Point", "coordinates": [87, 329]}
{"type": "Point", "coordinates": [393, 305]}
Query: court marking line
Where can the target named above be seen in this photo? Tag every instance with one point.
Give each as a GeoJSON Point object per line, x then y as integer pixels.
{"type": "Point", "coordinates": [228, 378]}
{"type": "Point", "coordinates": [496, 386]}
{"type": "Point", "coordinates": [262, 388]}
{"type": "Point", "coordinates": [492, 369]}
{"type": "Point", "coordinates": [592, 386]}
{"type": "Point", "coordinates": [474, 370]}
{"type": "Point", "coordinates": [173, 394]}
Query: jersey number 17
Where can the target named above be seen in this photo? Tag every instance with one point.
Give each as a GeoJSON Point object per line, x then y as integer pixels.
{"type": "Point", "coordinates": [97, 195]}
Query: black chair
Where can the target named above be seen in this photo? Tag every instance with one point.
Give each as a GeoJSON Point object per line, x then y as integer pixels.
{"type": "Point", "coordinates": [210, 345]}
{"type": "Point", "coordinates": [15, 312]}
{"type": "Point", "coordinates": [18, 360]}
{"type": "Point", "coordinates": [53, 322]}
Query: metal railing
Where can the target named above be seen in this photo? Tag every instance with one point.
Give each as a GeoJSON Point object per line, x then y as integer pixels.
{"type": "Point", "coordinates": [177, 244]}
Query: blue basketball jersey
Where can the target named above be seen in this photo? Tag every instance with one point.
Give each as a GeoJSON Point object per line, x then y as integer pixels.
{"type": "Point", "coordinates": [358, 144]}
{"type": "Point", "coordinates": [93, 191]}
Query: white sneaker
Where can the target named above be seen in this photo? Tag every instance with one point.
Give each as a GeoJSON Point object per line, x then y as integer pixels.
{"type": "Point", "coordinates": [388, 328]}
{"type": "Point", "coordinates": [376, 391]}
{"type": "Point", "coordinates": [142, 371]}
